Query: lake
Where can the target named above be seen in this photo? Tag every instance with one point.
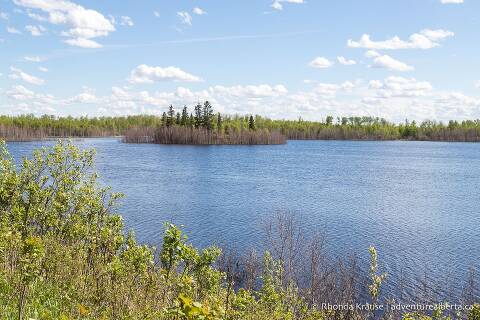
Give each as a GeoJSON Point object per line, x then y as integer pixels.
{"type": "Point", "coordinates": [416, 202]}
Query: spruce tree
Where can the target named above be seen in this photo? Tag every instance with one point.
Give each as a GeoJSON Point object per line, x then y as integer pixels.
{"type": "Point", "coordinates": [219, 122]}
{"type": "Point", "coordinates": [207, 115]}
{"type": "Point", "coordinates": [178, 120]}
{"type": "Point", "coordinates": [184, 119]}
{"type": "Point", "coordinates": [198, 116]}
{"type": "Point", "coordinates": [164, 119]}
{"type": "Point", "coordinates": [251, 123]}
{"type": "Point", "coordinates": [170, 116]}
{"type": "Point", "coordinates": [191, 121]}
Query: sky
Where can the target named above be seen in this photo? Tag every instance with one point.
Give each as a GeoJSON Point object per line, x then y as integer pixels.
{"type": "Point", "coordinates": [285, 59]}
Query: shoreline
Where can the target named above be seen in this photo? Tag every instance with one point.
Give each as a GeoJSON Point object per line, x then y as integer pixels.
{"type": "Point", "coordinates": [227, 144]}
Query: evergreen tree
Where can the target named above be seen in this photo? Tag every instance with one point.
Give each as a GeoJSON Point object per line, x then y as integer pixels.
{"type": "Point", "coordinates": [219, 122]}
{"type": "Point", "coordinates": [207, 115]}
{"type": "Point", "coordinates": [184, 119]}
{"type": "Point", "coordinates": [170, 116]}
{"type": "Point", "coordinates": [164, 119]}
{"type": "Point", "coordinates": [178, 120]}
{"type": "Point", "coordinates": [251, 123]}
{"type": "Point", "coordinates": [191, 121]}
{"type": "Point", "coordinates": [329, 121]}
{"type": "Point", "coordinates": [198, 116]}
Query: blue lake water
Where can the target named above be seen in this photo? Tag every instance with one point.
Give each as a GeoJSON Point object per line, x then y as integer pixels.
{"type": "Point", "coordinates": [416, 202]}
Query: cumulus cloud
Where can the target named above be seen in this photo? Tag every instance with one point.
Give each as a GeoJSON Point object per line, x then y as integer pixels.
{"type": "Point", "coordinates": [126, 21]}
{"type": "Point", "coordinates": [250, 91]}
{"type": "Point", "coordinates": [36, 16]}
{"type": "Point", "coordinates": [278, 4]}
{"type": "Point", "coordinates": [4, 16]}
{"type": "Point", "coordinates": [83, 43]}
{"type": "Point", "coordinates": [372, 54]}
{"type": "Point", "coordinates": [400, 87]}
{"type": "Point", "coordinates": [185, 17]}
{"type": "Point", "coordinates": [148, 74]}
{"type": "Point", "coordinates": [33, 58]}
{"type": "Point", "coordinates": [451, 1]}
{"type": "Point", "coordinates": [85, 98]}
{"type": "Point", "coordinates": [321, 63]}
{"type": "Point", "coordinates": [43, 69]}
{"type": "Point", "coordinates": [426, 39]}
{"type": "Point", "coordinates": [13, 30]}
{"type": "Point", "coordinates": [330, 90]}
{"type": "Point", "coordinates": [387, 62]}
{"type": "Point", "coordinates": [84, 24]}
{"type": "Point", "coordinates": [18, 74]}
{"type": "Point", "coordinates": [199, 11]}
{"type": "Point", "coordinates": [20, 93]}
{"type": "Point", "coordinates": [35, 30]}
{"type": "Point", "coordinates": [27, 101]}
{"type": "Point", "coordinates": [346, 62]}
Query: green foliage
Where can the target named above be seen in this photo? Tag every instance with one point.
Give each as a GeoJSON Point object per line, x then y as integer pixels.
{"type": "Point", "coordinates": [375, 278]}
{"type": "Point", "coordinates": [474, 314]}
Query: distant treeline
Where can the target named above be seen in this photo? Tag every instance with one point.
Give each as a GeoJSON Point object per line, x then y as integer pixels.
{"type": "Point", "coordinates": [203, 126]}
{"type": "Point", "coordinates": [29, 127]}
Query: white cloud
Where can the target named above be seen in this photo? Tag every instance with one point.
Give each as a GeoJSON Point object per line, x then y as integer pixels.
{"type": "Point", "coordinates": [387, 62]}
{"type": "Point", "coordinates": [400, 87]}
{"type": "Point", "coordinates": [278, 4]}
{"type": "Point", "coordinates": [32, 58]}
{"type": "Point", "coordinates": [250, 91]}
{"type": "Point", "coordinates": [13, 30]}
{"type": "Point", "coordinates": [3, 15]}
{"type": "Point", "coordinates": [35, 30]}
{"type": "Point", "coordinates": [85, 97]}
{"type": "Point", "coordinates": [346, 62]}
{"type": "Point", "coordinates": [84, 24]}
{"type": "Point", "coordinates": [148, 74]}
{"type": "Point", "coordinates": [426, 39]}
{"type": "Point", "coordinates": [27, 101]}
{"type": "Point", "coordinates": [18, 74]}
{"type": "Point", "coordinates": [156, 14]}
{"type": "Point", "coordinates": [185, 17]}
{"type": "Point", "coordinates": [83, 43]}
{"type": "Point", "coordinates": [199, 11]}
{"type": "Point", "coordinates": [437, 35]}
{"type": "Point", "coordinates": [372, 54]}
{"type": "Point", "coordinates": [321, 63]}
{"type": "Point", "coordinates": [36, 16]}
{"type": "Point", "coordinates": [477, 84]}
{"type": "Point", "coordinates": [20, 93]}
{"type": "Point", "coordinates": [126, 21]}
{"type": "Point", "coordinates": [451, 1]}
{"type": "Point", "coordinates": [330, 90]}
{"type": "Point", "coordinates": [43, 69]}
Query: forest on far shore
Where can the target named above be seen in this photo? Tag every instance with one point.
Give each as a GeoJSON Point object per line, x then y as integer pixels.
{"type": "Point", "coordinates": [202, 125]}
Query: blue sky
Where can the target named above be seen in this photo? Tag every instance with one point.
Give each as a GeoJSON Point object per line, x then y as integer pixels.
{"type": "Point", "coordinates": [396, 59]}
